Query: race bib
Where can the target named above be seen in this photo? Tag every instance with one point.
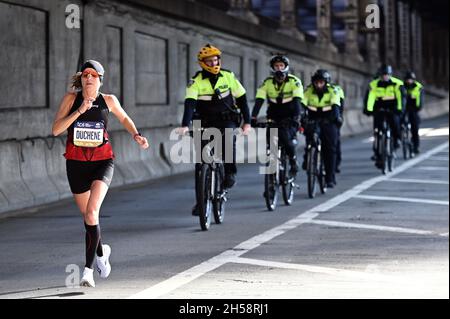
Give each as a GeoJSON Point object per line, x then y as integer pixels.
{"type": "Point", "coordinates": [88, 134]}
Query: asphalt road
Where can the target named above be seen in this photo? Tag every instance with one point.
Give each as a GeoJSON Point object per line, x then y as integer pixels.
{"type": "Point", "coordinates": [372, 236]}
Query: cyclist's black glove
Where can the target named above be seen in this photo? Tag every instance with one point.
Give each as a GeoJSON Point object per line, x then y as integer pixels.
{"type": "Point", "coordinates": [366, 112]}
{"type": "Point", "coordinates": [303, 121]}
{"type": "Point", "coordinates": [340, 121]}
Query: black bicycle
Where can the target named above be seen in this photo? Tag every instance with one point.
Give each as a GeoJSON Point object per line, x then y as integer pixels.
{"type": "Point", "coordinates": [315, 167]}
{"type": "Point", "coordinates": [407, 145]}
{"type": "Point", "coordinates": [384, 143]}
{"type": "Point", "coordinates": [211, 194]}
{"type": "Point", "coordinates": [277, 170]}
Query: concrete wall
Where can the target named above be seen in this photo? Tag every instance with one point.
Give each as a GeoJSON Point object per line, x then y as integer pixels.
{"type": "Point", "coordinates": [149, 52]}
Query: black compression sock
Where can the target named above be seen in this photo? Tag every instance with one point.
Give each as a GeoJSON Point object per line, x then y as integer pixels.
{"type": "Point", "coordinates": [92, 242]}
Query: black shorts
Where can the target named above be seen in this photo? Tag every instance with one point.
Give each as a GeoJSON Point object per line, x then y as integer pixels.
{"type": "Point", "coordinates": [81, 174]}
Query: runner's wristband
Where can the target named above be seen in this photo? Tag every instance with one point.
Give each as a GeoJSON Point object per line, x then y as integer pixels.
{"type": "Point", "coordinates": [137, 134]}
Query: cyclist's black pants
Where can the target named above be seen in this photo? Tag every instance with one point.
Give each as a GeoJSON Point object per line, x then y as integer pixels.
{"type": "Point", "coordinates": [393, 121]}
{"type": "Point", "coordinates": [329, 137]}
{"type": "Point", "coordinates": [287, 137]}
{"type": "Point", "coordinates": [338, 147]}
{"type": "Point", "coordinates": [414, 119]}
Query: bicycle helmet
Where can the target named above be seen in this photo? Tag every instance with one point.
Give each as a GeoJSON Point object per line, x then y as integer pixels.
{"type": "Point", "coordinates": [209, 51]}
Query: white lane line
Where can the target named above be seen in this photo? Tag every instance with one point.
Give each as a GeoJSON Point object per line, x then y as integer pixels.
{"type": "Point", "coordinates": [374, 227]}
{"type": "Point", "coordinates": [309, 268]}
{"type": "Point", "coordinates": [195, 272]}
{"type": "Point", "coordinates": [411, 180]}
{"type": "Point", "coordinates": [404, 199]}
{"type": "Point", "coordinates": [368, 140]}
{"type": "Point", "coordinates": [437, 132]}
{"type": "Point", "coordinates": [423, 131]}
{"type": "Point", "coordinates": [444, 234]}
{"type": "Point", "coordinates": [433, 168]}
{"type": "Point", "coordinates": [438, 158]}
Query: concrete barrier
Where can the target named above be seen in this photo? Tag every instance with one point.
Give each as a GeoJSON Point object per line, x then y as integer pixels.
{"type": "Point", "coordinates": [16, 192]}
{"type": "Point", "coordinates": [56, 165]}
{"type": "Point", "coordinates": [156, 157]}
{"type": "Point", "coordinates": [34, 173]}
{"type": "Point", "coordinates": [345, 129]}
{"type": "Point", "coordinates": [351, 123]}
{"type": "Point", "coordinates": [173, 148]}
{"type": "Point", "coordinates": [3, 203]}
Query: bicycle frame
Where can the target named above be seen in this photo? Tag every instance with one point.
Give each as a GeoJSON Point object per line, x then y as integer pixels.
{"type": "Point", "coordinates": [315, 166]}
{"type": "Point", "coordinates": [383, 142]}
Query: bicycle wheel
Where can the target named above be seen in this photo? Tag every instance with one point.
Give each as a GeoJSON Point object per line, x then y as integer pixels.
{"type": "Point", "coordinates": [219, 195]}
{"type": "Point", "coordinates": [382, 153]}
{"type": "Point", "coordinates": [411, 151]}
{"type": "Point", "coordinates": [271, 189]}
{"type": "Point", "coordinates": [286, 181]}
{"type": "Point", "coordinates": [405, 143]}
{"type": "Point", "coordinates": [311, 171]}
{"type": "Point", "coordinates": [321, 173]}
{"type": "Point", "coordinates": [390, 152]}
{"type": "Point", "coordinates": [205, 196]}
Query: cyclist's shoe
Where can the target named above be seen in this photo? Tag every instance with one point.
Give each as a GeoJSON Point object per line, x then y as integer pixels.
{"type": "Point", "coordinates": [294, 167]}
{"type": "Point", "coordinates": [416, 150]}
{"type": "Point", "coordinates": [229, 180]}
{"type": "Point", "coordinates": [330, 184]}
{"type": "Point", "coordinates": [337, 169]}
{"type": "Point", "coordinates": [103, 265]}
{"type": "Point", "coordinates": [196, 210]}
{"type": "Point", "coordinates": [373, 158]}
{"type": "Point", "coordinates": [88, 278]}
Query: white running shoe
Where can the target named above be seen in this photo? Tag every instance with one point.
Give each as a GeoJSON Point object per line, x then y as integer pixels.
{"type": "Point", "coordinates": [88, 278]}
{"type": "Point", "coordinates": [103, 265]}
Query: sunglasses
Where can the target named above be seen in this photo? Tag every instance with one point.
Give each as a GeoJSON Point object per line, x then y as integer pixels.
{"type": "Point", "coordinates": [93, 74]}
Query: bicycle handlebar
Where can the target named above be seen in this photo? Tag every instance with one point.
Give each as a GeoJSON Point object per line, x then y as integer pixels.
{"type": "Point", "coordinates": [273, 123]}
{"type": "Point", "coordinates": [191, 132]}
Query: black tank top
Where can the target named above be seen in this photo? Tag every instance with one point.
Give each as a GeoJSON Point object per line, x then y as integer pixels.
{"type": "Point", "coordinates": [97, 113]}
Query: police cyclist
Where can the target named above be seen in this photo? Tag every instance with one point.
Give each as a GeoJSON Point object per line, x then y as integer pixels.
{"type": "Point", "coordinates": [214, 96]}
{"type": "Point", "coordinates": [414, 103]}
{"type": "Point", "coordinates": [284, 93]}
{"type": "Point", "coordinates": [322, 102]}
{"type": "Point", "coordinates": [385, 92]}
